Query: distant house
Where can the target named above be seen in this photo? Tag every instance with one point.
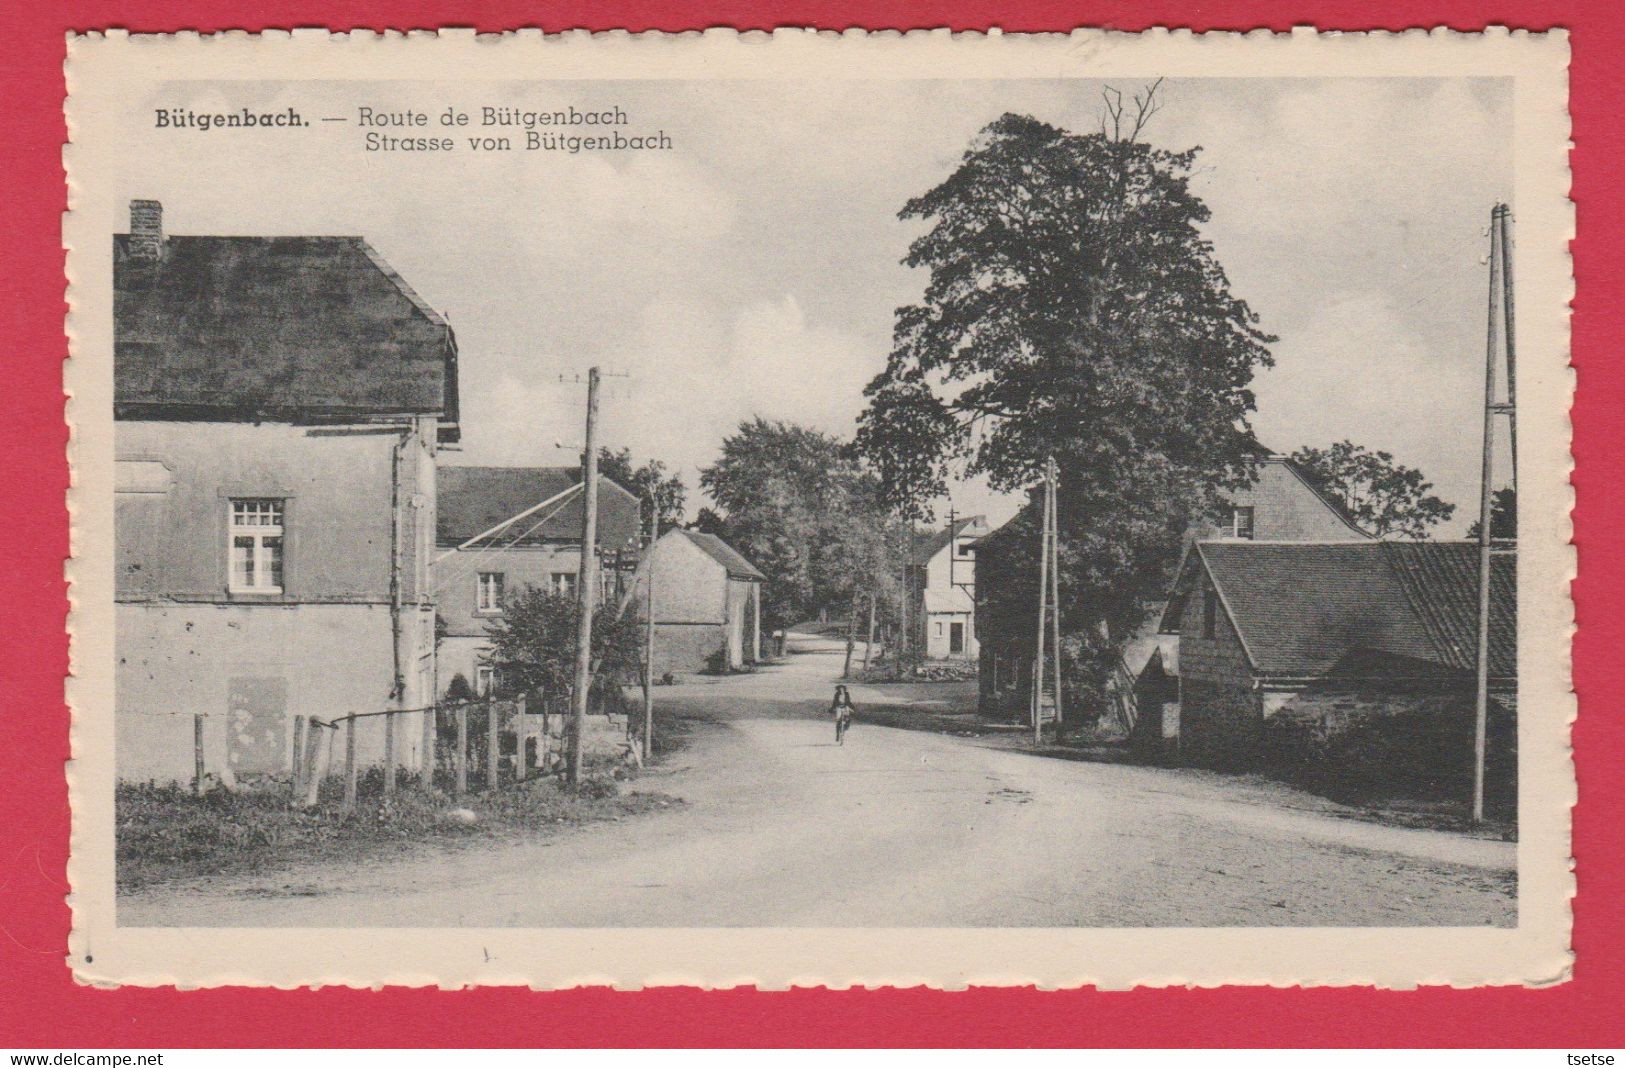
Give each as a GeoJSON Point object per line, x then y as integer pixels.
{"type": "Point", "coordinates": [707, 603]}
{"type": "Point", "coordinates": [494, 541]}
{"type": "Point", "coordinates": [943, 585]}
{"type": "Point", "coordinates": [278, 405]}
{"type": "Point", "coordinates": [1373, 640]}
{"type": "Point", "coordinates": [1281, 504]}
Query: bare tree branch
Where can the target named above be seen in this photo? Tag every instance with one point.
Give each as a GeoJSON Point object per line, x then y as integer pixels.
{"type": "Point", "coordinates": [1114, 112]}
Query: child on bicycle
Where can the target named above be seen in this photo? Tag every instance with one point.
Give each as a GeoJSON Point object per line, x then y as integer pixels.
{"type": "Point", "coordinates": [841, 708]}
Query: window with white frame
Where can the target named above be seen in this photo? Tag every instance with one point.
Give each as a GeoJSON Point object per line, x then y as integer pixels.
{"type": "Point", "coordinates": [485, 679]}
{"type": "Point", "coordinates": [562, 583]}
{"type": "Point", "coordinates": [488, 592]}
{"type": "Point", "coordinates": [255, 538]}
{"type": "Point", "coordinates": [1241, 522]}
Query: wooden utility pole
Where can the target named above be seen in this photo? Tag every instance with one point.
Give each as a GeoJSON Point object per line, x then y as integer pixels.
{"type": "Point", "coordinates": [1049, 609]}
{"type": "Point", "coordinates": [869, 642]}
{"type": "Point", "coordinates": [1053, 482]}
{"type": "Point", "coordinates": [1500, 300]}
{"type": "Point", "coordinates": [649, 635]}
{"type": "Point", "coordinates": [586, 585]}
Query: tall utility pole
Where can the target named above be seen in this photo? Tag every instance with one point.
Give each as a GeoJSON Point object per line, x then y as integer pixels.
{"type": "Point", "coordinates": [1049, 609]}
{"type": "Point", "coordinates": [1055, 583]}
{"type": "Point", "coordinates": [903, 635]}
{"type": "Point", "coordinates": [649, 636]}
{"type": "Point", "coordinates": [1500, 300]}
{"type": "Point", "coordinates": [586, 584]}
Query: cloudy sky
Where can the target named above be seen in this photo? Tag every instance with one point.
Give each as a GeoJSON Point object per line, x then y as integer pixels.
{"type": "Point", "coordinates": [754, 268]}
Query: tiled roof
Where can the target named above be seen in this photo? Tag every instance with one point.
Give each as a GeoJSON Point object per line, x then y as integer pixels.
{"type": "Point", "coordinates": [724, 554]}
{"type": "Point", "coordinates": [475, 499]}
{"type": "Point", "coordinates": [1301, 608]}
{"type": "Point", "coordinates": [1442, 581]}
{"type": "Point", "coordinates": [295, 328]}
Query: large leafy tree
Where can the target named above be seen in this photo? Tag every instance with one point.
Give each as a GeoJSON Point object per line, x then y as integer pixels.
{"type": "Point", "coordinates": [799, 504]}
{"type": "Point", "coordinates": [650, 481]}
{"type": "Point", "coordinates": [1386, 498]}
{"type": "Point", "coordinates": [1073, 309]}
{"type": "Point", "coordinates": [533, 645]}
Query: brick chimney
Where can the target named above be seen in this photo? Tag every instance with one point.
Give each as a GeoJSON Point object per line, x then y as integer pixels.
{"type": "Point", "coordinates": [146, 230]}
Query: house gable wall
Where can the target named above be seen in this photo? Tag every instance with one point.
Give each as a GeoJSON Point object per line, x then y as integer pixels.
{"type": "Point", "coordinates": [1286, 509]}
{"type": "Point", "coordinates": [690, 587]}
{"type": "Point", "coordinates": [1221, 715]}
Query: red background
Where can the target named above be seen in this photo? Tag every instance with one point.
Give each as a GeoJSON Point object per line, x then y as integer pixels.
{"type": "Point", "coordinates": [40, 1006]}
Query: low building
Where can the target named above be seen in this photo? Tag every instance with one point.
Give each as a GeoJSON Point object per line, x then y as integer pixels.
{"type": "Point", "coordinates": [707, 604]}
{"type": "Point", "coordinates": [1354, 660]}
{"type": "Point", "coordinates": [278, 406]}
{"type": "Point", "coordinates": [1280, 504]}
{"type": "Point", "coordinates": [503, 529]}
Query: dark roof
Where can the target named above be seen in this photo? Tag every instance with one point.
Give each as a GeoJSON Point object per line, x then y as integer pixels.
{"type": "Point", "coordinates": [1301, 608]}
{"type": "Point", "coordinates": [284, 328]}
{"type": "Point", "coordinates": [928, 543]}
{"type": "Point", "coordinates": [472, 500]}
{"type": "Point", "coordinates": [1442, 581]}
{"type": "Point", "coordinates": [724, 554]}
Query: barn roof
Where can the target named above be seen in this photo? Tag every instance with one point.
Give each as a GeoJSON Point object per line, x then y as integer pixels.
{"type": "Point", "coordinates": [472, 500]}
{"type": "Point", "coordinates": [724, 554]}
{"type": "Point", "coordinates": [282, 328]}
{"type": "Point", "coordinates": [1301, 608]}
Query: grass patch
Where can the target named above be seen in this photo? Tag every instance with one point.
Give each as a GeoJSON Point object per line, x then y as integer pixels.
{"type": "Point", "coordinates": [167, 833]}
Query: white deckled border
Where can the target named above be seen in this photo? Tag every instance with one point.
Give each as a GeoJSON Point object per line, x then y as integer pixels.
{"type": "Point", "coordinates": [104, 69]}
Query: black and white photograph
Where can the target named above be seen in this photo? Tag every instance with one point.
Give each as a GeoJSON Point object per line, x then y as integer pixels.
{"type": "Point", "coordinates": [1079, 497]}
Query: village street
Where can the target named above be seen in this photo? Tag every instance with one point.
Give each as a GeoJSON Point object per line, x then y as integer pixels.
{"type": "Point", "coordinates": [897, 828]}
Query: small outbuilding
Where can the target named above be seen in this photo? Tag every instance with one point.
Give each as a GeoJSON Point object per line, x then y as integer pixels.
{"type": "Point", "coordinates": [707, 603]}
{"type": "Point", "coordinates": [1350, 662]}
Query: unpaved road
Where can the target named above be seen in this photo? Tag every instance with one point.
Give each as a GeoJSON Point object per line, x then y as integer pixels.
{"type": "Point", "coordinates": [897, 828]}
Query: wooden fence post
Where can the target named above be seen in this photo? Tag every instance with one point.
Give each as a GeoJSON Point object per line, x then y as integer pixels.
{"type": "Point", "coordinates": [521, 732]}
{"type": "Point", "coordinates": [389, 753]}
{"type": "Point", "coordinates": [493, 751]}
{"type": "Point", "coordinates": [350, 769]}
{"type": "Point", "coordinates": [197, 753]}
{"type": "Point", "coordinates": [313, 752]}
{"type": "Point", "coordinates": [431, 728]}
{"type": "Point", "coordinates": [298, 762]}
{"type": "Point", "coordinates": [462, 749]}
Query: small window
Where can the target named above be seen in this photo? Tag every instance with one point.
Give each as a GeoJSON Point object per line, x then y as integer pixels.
{"type": "Point", "coordinates": [939, 628]}
{"type": "Point", "coordinates": [1210, 613]}
{"type": "Point", "coordinates": [562, 583]}
{"type": "Point", "coordinates": [964, 548]}
{"type": "Point", "coordinates": [255, 542]}
{"type": "Point", "coordinates": [1241, 522]}
{"type": "Point", "coordinates": [488, 594]}
{"type": "Point", "coordinates": [485, 680]}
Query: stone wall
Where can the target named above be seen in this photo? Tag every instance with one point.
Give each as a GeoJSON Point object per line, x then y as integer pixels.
{"type": "Point", "coordinates": [1364, 740]}
{"type": "Point", "coordinates": [1220, 713]}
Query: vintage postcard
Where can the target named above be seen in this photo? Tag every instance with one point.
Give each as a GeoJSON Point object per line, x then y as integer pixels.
{"type": "Point", "coordinates": [820, 509]}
